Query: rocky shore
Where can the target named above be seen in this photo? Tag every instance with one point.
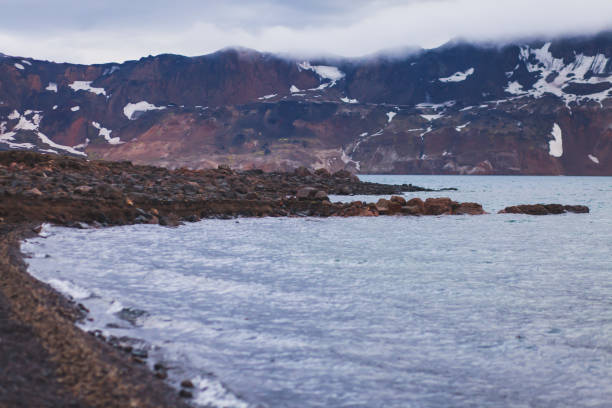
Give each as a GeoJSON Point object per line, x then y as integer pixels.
{"type": "Point", "coordinates": [45, 360]}
{"type": "Point", "coordinates": [70, 191]}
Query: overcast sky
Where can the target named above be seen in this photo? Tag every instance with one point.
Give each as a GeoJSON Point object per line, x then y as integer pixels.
{"type": "Point", "coordinates": [85, 31]}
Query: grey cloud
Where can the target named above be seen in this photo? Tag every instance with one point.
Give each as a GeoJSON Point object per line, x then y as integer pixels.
{"type": "Point", "coordinates": [84, 31]}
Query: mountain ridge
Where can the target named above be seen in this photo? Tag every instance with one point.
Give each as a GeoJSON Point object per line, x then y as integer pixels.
{"type": "Point", "coordinates": [461, 108]}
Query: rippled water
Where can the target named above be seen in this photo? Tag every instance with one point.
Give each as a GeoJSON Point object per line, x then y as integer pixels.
{"type": "Point", "coordinates": [494, 310]}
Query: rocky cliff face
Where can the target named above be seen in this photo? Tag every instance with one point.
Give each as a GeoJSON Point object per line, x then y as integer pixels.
{"type": "Point", "coordinates": [531, 108]}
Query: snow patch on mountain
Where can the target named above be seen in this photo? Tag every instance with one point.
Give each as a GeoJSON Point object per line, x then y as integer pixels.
{"type": "Point", "coordinates": [86, 86]}
{"type": "Point", "coordinates": [323, 71]}
{"type": "Point", "coordinates": [109, 71]}
{"type": "Point", "coordinates": [75, 108]}
{"type": "Point", "coordinates": [390, 116]}
{"type": "Point", "coordinates": [432, 117]}
{"type": "Point", "coordinates": [106, 134]}
{"type": "Point", "coordinates": [555, 75]}
{"type": "Point", "coordinates": [19, 66]}
{"type": "Point", "coordinates": [593, 159]}
{"type": "Point", "coordinates": [436, 106]}
{"type": "Point", "coordinates": [32, 124]}
{"type": "Point", "coordinates": [458, 76]}
{"type": "Point", "coordinates": [555, 146]}
{"type": "Point", "coordinates": [8, 138]}
{"type": "Point", "coordinates": [461, 127]}
{"type": "Point", "coordinates": [321, 87]}
{"type": "Point", "coordinates": [294, 89]}
{"type": "Point", "coordinates": [347, 100]}
{"type": "Point", "coordinates": [26, 62]}
{"type": "Point", "coordinates": [52, 87]}
{"type": "Point", "coordinates": [515, 88]}
{"type": "Point", "coordinates": [263, 98]}
{"type": "Point", "coordinates": [132, 110]}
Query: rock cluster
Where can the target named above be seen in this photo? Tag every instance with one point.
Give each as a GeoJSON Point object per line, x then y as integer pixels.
{"type": "Point", "coordinates": [545, 209]}
{"type": "Point", "coordinates": [71, 191]}
{"type": "Point", "coordinates": [431, 206]}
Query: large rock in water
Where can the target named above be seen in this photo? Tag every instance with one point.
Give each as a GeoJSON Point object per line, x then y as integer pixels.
{"type": "Point", "coordinates": [438, 206]}
{"type": "Point", "coordinates": [468, 209]}
{"type": "Point", "coordinates": [544, 209]}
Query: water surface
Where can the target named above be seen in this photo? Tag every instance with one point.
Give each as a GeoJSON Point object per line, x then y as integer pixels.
{"type": "Point", "coordinates": [494, 310]}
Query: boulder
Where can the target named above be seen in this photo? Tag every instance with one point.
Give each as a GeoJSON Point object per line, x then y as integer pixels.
{"type": "Point", "coordinates": [321, 195]}
{"type": "Point", "coordinates": [322, 172]}
{"type": "Point", "coordinates": [302, 172]}
{"type": "Point", "coordinates": [579, 209]}
{"type": "Point", "coordinates": [394, 208]}
{"type": "Point", "coordinates": [382, 206]}
{"type": "Point", "coordinates": [468, 209]}
{"type": "Point", "coordinates": [412, 210]}
{"type": "Point", "coordinates": [398, 199]}
{"type": "Point", "coordinates": [33, 192]}
{"type": "Point", "coordinates": [418, 203]}
{"type": "Point", "coordinates": [306, 193]}
{"type": "Point", "coordinates": [438, 206]}
{"type": "Point", "coordinates": [544, 209]}
{"type": "Point", "coordinates": [83, 189]}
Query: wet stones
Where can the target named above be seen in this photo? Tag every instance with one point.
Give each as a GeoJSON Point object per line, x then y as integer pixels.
{"type": "Point", "coordinates": [311, 193]}
{"type": "Point", "coordinates": [545, 209]}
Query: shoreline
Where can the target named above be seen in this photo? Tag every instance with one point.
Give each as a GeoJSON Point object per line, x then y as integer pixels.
{"type": "Point", "coordinates": [48, 360]}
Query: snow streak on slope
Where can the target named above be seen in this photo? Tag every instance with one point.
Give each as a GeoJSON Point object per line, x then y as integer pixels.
{"type": "Point", "coordinates": [324, 72]}
{"type": "Point", "coordinates": [132, 110]}
{"type": "Point", "coordinates": [556, 145]}
{"type": "Point", "coordinates": [458, 76]}
{"type": "Point", "coordinates": [86, 86]}
{"type": "Point", "coordinates": [554, 75]}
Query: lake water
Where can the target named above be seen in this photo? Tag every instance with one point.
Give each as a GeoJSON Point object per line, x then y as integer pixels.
{"type": "Point", "coordinates": [494, 310]}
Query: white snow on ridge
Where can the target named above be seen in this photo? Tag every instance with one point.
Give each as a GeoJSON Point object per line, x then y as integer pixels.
{"type": "Point", "coordinates": [324, 71]}
{"type": "Point", "coordinates": [14, 115]}
{"type": "Point", "coordinates": [432, 117]}
{"type": "Point", "coordinates": [322, 86]}
{"type": "Point", "coordinates": [593, 159]}
{"type": "Point", "coordinates": [51, 143]}
{"type": "Point", "coordinates": [263, 98]}
{"type": "Point", "coordinates": [26, 62]}
{"type": "Point", "coordinates": [458, 76]}
{"type": "Point", "coordinates": [75, 108]}
{"type": "Point", "coordinates": [110, 70]}
{"type": "Point", "coordinates": [86, 86]}
{"type": "Point", "coordinates": [436, 106]}
{"type": "Point", "coordinates": [31, 125]}
{"type": "Point", "coordinates": [390, 116]}
{"type": "Point", "coordinates": [347, 100]}
{"type": "Point", "coordinates": [19, 66]}
{"type": "Point", "coordinates": [555, 147]}
{"type": "Point", "coordinates": [52, 87]}
{"type": "Point", "coordinates": [294, 89]}
{"type": "Point", "coordinates": [575, 72]}
{"type": "Point", "coordinates": [461, 127]}
{"type": "Point", "coordinates": [8, 138]}
{"type": "Point", "coordinates": [106, 133]}
{"type": "Point", "coordinates": [131, 109]}
{"type": "Point", "coordinates": [515, 88]}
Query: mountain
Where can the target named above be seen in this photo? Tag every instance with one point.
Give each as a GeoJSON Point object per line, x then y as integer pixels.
{"type": "Point", "coordinates": [530, 107]}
